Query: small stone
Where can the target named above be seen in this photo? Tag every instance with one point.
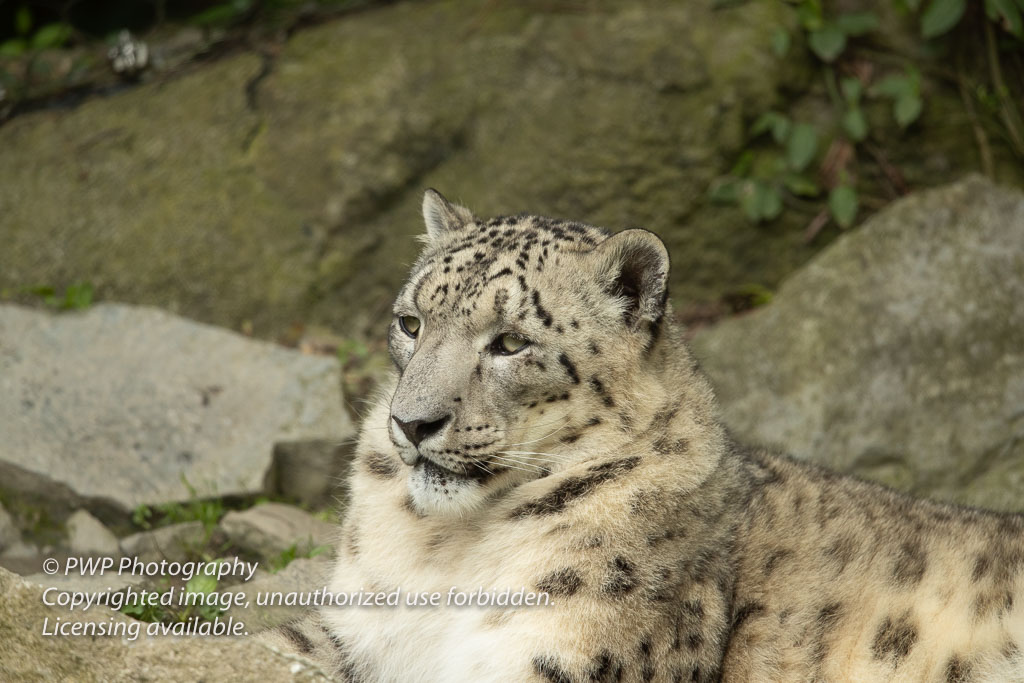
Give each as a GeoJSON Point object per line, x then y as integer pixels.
{"type": "Point", "coordinates": [174, 542]}
{"type": "Point", "coordinates": [20, 550]}
{"type": "Point", "coordinates": [272, 528]}
{"type": "Point", "coordinates": [87, 535]}
{"type": "Point", "coordinates": [129, 57]}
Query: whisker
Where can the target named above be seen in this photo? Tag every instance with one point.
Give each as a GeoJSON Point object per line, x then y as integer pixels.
{"type": "Point", "coordinates": [530, 460]}
{"type": "Point", "coordinates": [518, 458]}
{"type": "Point", "coordinates": [552, 456]}
{"type": "Point", "coordinates": [498, 455]}
{"type": "Point", "coordinates": [521, 466]}
{"type": "Point", "coordinates": [480, 464]}
{"type": "Point", "coordinates": [541, 438]}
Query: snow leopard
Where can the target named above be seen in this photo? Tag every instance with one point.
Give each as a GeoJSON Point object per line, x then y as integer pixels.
{"type": "Point", "coordinates": [547, 430]}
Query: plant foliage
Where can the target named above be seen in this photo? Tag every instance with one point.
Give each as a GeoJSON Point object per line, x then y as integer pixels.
{"type": "Point", "coordinates": [764, 181]}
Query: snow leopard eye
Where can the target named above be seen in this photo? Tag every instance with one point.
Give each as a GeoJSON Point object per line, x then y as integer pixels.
{"type": "Point", "coordinates": [410, 325]}
{"type": "Point", "coordinates": [508, 343]}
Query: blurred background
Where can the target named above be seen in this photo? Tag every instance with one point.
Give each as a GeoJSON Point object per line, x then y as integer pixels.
{"type": "Point", "coordinates": [206, 208]}
{"type": "Point", "coordinates": [257, 164]}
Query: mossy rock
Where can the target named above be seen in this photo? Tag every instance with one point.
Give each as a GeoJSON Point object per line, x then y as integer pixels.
{"type": "Point", "coordinates": [267, 194]}
{"type": "Point", "coordinates": [240, 199]}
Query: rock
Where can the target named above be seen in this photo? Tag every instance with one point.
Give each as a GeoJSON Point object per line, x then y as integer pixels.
{"type": "Point", "coordinates": [23, 558]}
{"type": "Point", "coordinates": [174, 542]}
{"type": "Point", "coordinates": [126, 405]}
{"type": "Point", "coordinates": [303, 575]}
{"type": "Point", "coordinates": [86, 535]}
{"type": "Point", "coordinates": [27, 654]}
{"type": "Point", "coordinates": [238, 197]}
{"type": "Point", "coordinates": [896, 354]}
{"type": "Point", "coordinates": [9, 534]}
{"type": "Point", "coordinates": [310, 472]}
{"type": "Point", "coordinates": [21, 550]}
{"type": "Point", "coordinates": [270, 529]}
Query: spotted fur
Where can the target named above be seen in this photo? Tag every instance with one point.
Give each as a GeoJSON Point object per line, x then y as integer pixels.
{"type": "Point", "coordinates": [591, 464]}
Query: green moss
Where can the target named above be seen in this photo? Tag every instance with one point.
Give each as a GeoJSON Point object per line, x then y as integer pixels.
{"type": "Point", "coordinates": [301, 204]}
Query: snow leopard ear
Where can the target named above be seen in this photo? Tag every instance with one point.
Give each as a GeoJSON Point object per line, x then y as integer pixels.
{"type": "Point", "coordinates": [441, 216]}
{"type": "Point", "coordinates": [633, 266]}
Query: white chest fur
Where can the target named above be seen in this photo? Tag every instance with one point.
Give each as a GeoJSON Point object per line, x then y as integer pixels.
{"type": "Point", "coordinates": [424, 643]}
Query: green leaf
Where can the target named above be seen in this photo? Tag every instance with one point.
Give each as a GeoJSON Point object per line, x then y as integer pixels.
{"type": "Point", "coordinates": [777, 123]}
{"type": "Point", "coordinates": [1010, 14]}
{"type": "Point", "coordinates": [218, 14]}
{"type": "Point", "coordinates": [748, 200]}
{"type": "Point", "coordinates": [802, 144]}
{"type": "Point", "coordinates": [141, 515]}
{"type": "Point", "coordinates": [51, 35]}
{"type": "Point", "coordinates": [15, 47]}
{"type": "Point", "coordinates": [827, 42]}
{"type": "Point", "coordinates": [780, 42]}
{"type": "Point", "coordinates": [894, 86]}
{"type": "Point", "coordinates": [771, 202]}
{"type": "Point", "coordinates": [907, 109]}
{"type": "Point", "coordinates": [764, 122]}
{"type": "Point", "coordinates": [842, 204]}
{"type": "Point", "coordinates": [801, 185]}
{"type": "Point", "coordinates": [852, 89]}
{"type": "Point", "coordinates": [725, 191]}
{"type": "Point", "coordinates": [810, 15]}
{"type": "Point", "coordinates": [284, 558]}
{"type": "Point", "coordinates": [855, 125]}
{"type": "Point", "coordinates": [77, 297]}
{"type": "Point", "coordinates": [761, 201]}
{"type": "Point", "coordinates": [23, 21]}
{"type": "Point", "coordinates": [759, 295]}
{"type": "Point", "coordinates": [780, 130]}
{"type": "Point", "coordinates": [201, 583]}
{"type": "Point", "coordinates": [222, 14]}
{"type": "Point", "coordinates": [941, 16]}
{"type": "Point", "coordinates": [857, 23]}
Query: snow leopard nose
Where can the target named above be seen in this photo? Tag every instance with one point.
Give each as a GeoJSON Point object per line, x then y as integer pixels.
{"type": "Point", "coordinates": [418, 430]}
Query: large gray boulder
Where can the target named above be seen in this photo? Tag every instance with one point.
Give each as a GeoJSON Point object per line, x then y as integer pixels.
{"type": "Point", "coordinates": [896, 354]}
{"type": "Point", "coordinates": [27, 654]}
{"type": "Point", "coordinates": [123, 405]}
